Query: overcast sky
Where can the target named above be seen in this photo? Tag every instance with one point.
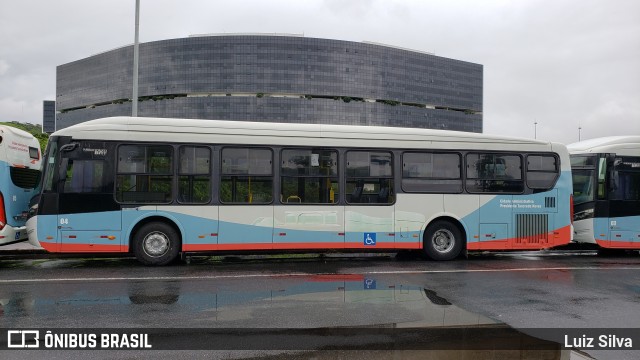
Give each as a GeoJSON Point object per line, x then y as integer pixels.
{"type": "Point", "coordinates": [561, 63]}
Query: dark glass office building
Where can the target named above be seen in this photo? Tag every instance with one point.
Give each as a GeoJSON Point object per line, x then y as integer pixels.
{"type": "Point", "coordinates": [273, 78]}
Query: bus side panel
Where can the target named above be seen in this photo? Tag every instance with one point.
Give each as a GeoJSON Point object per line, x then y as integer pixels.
{"type": "Point", "coordinates": [187, 225]}
{"type": "Point", "coordinates": [520, 222]}
{"type": "Point", "coordinates": [413, 211]}
{"type": "Point", "coordinates": [90, 232]}
{"type": "Point", "coordinates": [465, 206]}
{"type": "Point", "coordinates": [317, 227]}
{"type": "Point", "coordinates": [496, 227]}
{"type": "Point", "coordinates": [369, 227]}
{"type": "Point", "coordinates": [619, 232]}
{"type": "Point", "coordinates": [246, 227]}
{"type": "Point", "coordinates": [47, 232]}
{"type": "Point", "coordinates": [198, 225]}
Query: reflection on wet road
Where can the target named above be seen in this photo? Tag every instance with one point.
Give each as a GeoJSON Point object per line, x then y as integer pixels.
{"type": "Point", "coordinates": [521, 291]}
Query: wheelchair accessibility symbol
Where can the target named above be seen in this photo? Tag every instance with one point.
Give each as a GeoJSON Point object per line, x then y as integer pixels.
{"type": "Point", "coordinates": [369, 284]}
{"type": "Point", "coordinates": [369, 239]}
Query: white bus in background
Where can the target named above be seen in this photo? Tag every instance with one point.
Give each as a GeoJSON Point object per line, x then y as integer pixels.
{"type": "Point", "coordinates": [159, 187]}
{"type": "Point", "coordinates": [606, 191]}
{"type": "Point", "coordinates": [19, 179]}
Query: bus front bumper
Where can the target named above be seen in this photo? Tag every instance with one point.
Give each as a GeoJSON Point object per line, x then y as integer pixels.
{"type": "Point", "coordinates": [32, 231]}
{"type": "Point", "coordinates": [10, 234]}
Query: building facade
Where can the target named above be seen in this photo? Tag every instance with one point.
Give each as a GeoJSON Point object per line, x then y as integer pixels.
{"type": "Point", "coordinates": [290, 79]}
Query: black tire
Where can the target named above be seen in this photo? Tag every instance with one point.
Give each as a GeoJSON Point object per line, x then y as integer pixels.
{"type": "Point", "coordinates": [442, 241]}
{"type": "Point", "coordinates": [156, 243]}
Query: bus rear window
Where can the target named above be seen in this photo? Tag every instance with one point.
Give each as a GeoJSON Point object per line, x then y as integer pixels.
{"type": "Point", "coordinates": [34, 153]}
{"type": "Point", "coordinates": [25, 178]}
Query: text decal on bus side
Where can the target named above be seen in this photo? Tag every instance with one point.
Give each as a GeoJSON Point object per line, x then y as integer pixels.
{"type": "Point", "coordinates": [96, 152]}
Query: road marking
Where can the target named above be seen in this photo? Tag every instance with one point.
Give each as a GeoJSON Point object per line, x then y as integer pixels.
{"type": "Point", "coordinates": [249, 276]}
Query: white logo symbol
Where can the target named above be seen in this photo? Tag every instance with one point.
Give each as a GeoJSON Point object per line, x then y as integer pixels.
{"type": "Point", "coordinates": [24, 339]}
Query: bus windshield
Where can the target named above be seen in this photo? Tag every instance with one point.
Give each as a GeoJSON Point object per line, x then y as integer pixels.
{"type": "Point", "coordinates": [49, 168]}
{"type": "Point", "coordinates": [583, 189]}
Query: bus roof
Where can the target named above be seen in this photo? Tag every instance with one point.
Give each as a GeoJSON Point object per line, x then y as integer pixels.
{"type": "Point", "coordinates": [5, 129]}
{"type": "Point", "coordinates": [622, 145]}
{"type": "Point", "coordinates": [145, 129]}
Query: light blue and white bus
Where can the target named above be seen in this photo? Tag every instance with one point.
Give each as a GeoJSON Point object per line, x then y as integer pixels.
{"type": "Point", "coordinates": [161, 187]}
{"type": "Point", "coordinates": [606, 185]}
{"type": "Point", "coordinates": [19, 178]}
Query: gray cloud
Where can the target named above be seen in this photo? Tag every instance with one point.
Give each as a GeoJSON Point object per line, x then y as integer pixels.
{"type": "Point", "coordinates": [562, 64]}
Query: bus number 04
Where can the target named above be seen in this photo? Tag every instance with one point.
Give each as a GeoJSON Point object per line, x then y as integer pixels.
{"type": "Point", "coordinates": [64, 221]}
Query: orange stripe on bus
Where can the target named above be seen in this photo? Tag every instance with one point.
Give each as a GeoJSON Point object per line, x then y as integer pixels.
{"type": "Point", "coordinates": [563, 237]}
{"type": "Point", "coordinates": [618, 244]}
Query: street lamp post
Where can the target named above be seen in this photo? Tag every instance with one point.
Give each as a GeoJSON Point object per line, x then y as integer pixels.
{"type": "Point", "coordinates": [579, 129]}
{"type": "Point", "coordinates": [535, 129]}
{"type": "Point", "coordinates": [134, 105]}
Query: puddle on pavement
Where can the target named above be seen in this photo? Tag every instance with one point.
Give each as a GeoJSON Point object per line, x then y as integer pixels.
{"type": "Point", "coordinates": [312, 312]}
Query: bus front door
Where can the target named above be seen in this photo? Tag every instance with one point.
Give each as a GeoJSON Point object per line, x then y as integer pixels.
{"type": "Point", "coordinates": [89, 219]}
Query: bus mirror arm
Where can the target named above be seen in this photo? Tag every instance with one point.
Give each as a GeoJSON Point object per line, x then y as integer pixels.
{"type": "Point", "coordinates": [62, 174]}
{"type": "Point", "coordinates": [68, 147]}
{"type": "Point", "coordinates": [613, 181]}
{"type": "Point", "coordinates": [612, 174]}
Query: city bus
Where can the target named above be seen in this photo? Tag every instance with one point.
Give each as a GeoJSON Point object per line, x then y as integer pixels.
{"type": "Point", "coordinates": [19, 178]}
{"type": "Point", "coordinates": [606, 190]}
{"type": "Point", "coordinates": [159, 188]}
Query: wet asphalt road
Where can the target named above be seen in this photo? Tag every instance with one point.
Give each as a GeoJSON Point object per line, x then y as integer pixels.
{"type": "Point", "coordinates": [520, 290]}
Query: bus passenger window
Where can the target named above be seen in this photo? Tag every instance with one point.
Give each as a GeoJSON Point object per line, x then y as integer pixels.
{"type": "Point", "coordinates": [194, 175]}
{"type": "Point", "coordinates": [247, 176]}
{"type": "Point", "coordinates": [144, 174]}
{"type": "Point", "coordinates": [494, 173]}
{"type": "Point", "coordinates": [309, 176]}
{"type": "Point", "coordinates": [369, 177]}
{"type": "Point", "coordinates": [542, 171]}
{"type": "Point", "coordinates": [431, 172]}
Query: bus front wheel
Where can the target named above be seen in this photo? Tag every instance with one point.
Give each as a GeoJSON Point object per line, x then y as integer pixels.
{"type": "Point", "coordinates": [442, 241]}
{"type": "Point", "coordinates": [156, 243]}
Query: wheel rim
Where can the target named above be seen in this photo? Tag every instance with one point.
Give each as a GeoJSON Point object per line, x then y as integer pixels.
{"type": "Point", "coordinates": [443, 241]}
{"type": "Point", "coordinates": [156, 244]}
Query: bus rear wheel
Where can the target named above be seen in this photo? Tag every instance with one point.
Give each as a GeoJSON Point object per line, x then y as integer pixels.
{"type": "Point", "coordinates": [442, 241]}
{"type": "Point", "coordinates": [156, 243]}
